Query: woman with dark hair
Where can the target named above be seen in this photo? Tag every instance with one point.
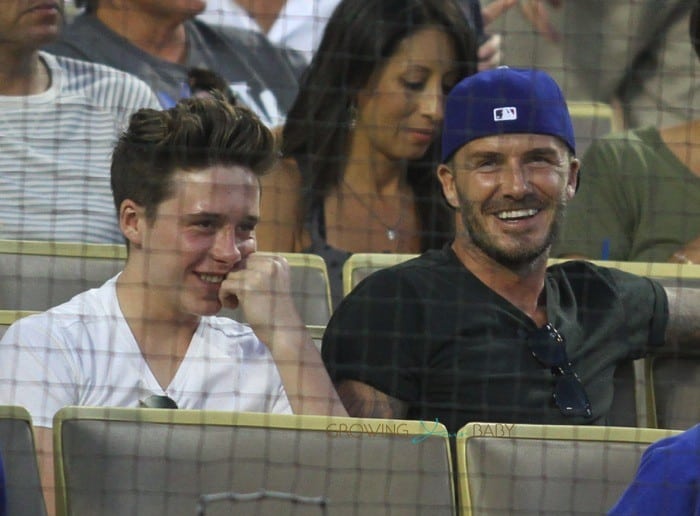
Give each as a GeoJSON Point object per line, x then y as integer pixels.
{"type": "Point", "coordinates": [358, 173]}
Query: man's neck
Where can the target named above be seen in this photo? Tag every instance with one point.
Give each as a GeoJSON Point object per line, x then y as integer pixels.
{"type": "Point", "coordinates": [22, 72]}
{"type": "Point", "coordinates": [160, 37]}
{"type": "Point", "coordinates": [522, 287]}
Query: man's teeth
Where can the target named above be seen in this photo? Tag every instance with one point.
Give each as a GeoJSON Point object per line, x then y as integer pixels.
{"type": "Point", "coordinates": [516, 214]}
{"type": "Point", "coordinates": [211, 278]}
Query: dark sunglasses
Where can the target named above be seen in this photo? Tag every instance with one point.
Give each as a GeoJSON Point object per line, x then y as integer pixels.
{"type": "Point", "coordinates": [548, 347]}
{"type": "Point", "coordinates": [158, 401]}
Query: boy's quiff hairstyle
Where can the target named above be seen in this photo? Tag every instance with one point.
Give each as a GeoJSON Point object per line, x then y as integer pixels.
{"type": "Point", "coordinates": [197, 133]}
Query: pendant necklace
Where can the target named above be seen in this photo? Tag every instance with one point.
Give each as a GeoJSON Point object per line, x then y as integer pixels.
{"type": "Point", "coordinates": [391, 232]}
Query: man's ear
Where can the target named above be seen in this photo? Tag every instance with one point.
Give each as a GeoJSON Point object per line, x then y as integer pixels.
{"type": "Point", "coordinates": [449, 189]}
{"type": "Point", "coordinates": [572, 180]}
{"type": "Point", "coordinates": [132, 222]}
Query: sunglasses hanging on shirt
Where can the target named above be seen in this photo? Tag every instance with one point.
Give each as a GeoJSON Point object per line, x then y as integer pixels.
{"type": "Point", "coordinates": [548, 347]}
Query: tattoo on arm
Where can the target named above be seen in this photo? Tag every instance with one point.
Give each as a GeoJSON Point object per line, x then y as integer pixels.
{"type": "Point", "coordinates": [361, 400]}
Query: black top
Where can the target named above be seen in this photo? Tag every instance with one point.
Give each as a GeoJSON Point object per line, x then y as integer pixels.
{"type": "Point", "coordinates": [430, 333]}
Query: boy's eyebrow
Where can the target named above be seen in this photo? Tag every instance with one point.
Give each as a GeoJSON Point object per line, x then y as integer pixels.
{"type": "Point", "coordinates": [251, 219]}
{"type": "Point", "coordinates": [203, 215]}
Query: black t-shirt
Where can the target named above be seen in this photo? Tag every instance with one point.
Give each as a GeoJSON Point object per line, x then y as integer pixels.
{"type": "Point", "coordinates": [430, 333]}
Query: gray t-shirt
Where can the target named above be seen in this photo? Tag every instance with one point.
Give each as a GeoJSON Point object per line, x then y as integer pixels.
{"type": "Point", "coordinates": [259, 74]}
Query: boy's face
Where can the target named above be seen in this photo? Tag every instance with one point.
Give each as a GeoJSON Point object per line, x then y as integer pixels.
{"type": "Point", "coordinates": [205, 230]}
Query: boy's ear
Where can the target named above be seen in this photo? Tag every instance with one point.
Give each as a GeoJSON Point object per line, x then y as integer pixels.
{"type": "Point", "coordinates": [132, 222]}
{"type": "Point", "coordinates": [449, 189]}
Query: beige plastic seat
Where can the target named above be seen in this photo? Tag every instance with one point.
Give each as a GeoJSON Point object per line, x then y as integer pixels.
{"type": "Point", "coordinates": [673, 390]}
{"type": "Point", "coordinates": [360, 265]}
{"type": "Point", "coordinates": [39, 275]}
{"type": "Point", "coordinates": [159, 461]}
{"type": "Point", "coordinates": [310, 289]}
{"type": "Point", "coordinates": [591, 120]}
{"type": "Point", "coordinates": [22, 482]}
{"type": "Point", "coordinates": [547, 469]}
{"type": "Point", "coordinates": [7, 317]}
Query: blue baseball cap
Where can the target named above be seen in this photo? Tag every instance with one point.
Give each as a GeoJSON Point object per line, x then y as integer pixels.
{"type": "Point", "coordinates": [505, 100]}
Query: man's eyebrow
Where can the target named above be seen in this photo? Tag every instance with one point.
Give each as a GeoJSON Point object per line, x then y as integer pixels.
{"type": "Point", "coordinates": [482, 154]}
{"type": "Point", "coordinates": [542, 150]}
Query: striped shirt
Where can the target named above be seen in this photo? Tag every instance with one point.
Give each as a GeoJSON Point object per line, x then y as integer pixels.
{"type": "Point", "coordinates": [55, 152]}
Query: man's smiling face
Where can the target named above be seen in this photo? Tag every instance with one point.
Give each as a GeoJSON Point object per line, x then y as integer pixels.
{"type": "Point", "coordinates": [511, 191]}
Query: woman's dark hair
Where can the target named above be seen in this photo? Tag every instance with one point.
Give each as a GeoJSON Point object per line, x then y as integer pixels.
{"type": "Point", "coordinates": [360, 36]}
{"type": "Point", "coordinates": [695, 28]}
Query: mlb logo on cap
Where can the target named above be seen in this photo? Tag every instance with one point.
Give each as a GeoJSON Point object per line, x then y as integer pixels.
{"type": "Point", "coordinates": [502, 114]}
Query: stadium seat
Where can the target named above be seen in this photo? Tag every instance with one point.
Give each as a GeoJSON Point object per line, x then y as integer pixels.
{"type": "Point", "coordinates": [116, 461]}
{"type": "Point", "coordinates": [673, 390]}
{"type": "Point", "coordinates": [310, 289]}
{"type": "Point", "coordinates": [39, 275]}
{"type": "Point", "coordinates": [23, 484]}
{"type": "Point", "coordinates": [316, 334]}
{"type": "Point", "coordinates": [547, 469]}
{"type": "Point", "coordinates": [361, 265]}
{"type": "Point", "coordinates": [7, 317]}
{"type": "Point", "coordinates": [591, 120]}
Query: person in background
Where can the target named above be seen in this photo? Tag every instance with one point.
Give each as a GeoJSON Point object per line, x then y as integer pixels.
{"type": "Point", "coordinates": [632, 54]}
{"type": "Point", "coordinates": [668, 479]}
{"type": "Point", "coordinates": [358, 145]}
{"type": "Point", "coordinates": [59, 119]}
{"type": "Point", "coordinates": [483, 330]}
{"type": "Point", "coordinates": [298, 25]}
{"type": "Point", "coordinates": [640, 195]}
{"type": "Point", "coordinates": [160, 40]}
{"type": "Point", "coordinates": [186, 188]}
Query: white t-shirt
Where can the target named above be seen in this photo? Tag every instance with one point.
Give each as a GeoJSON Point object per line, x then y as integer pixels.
{"type": "Point", "coordinates": [299, 25]}
{"type": "Point", "coordinates": [55, 152]}
{"type": "Point", "coordinates": [83, 353]}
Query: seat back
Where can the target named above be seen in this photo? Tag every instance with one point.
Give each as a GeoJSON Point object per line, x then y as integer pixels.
{"type": "Point", "coordinates": [39, 275]}
{"type": "Point", "coordinates": [547, 469]}
{"type": "Point", "coordinates": [310, 289]}
{"type": "Point", "coordinates": [155, 462]}
{"type": "Point", "coordinates": [316, 333]}
{"type": "Point", "coordinates": [672, 390]}
{"type": "Point", "coordinates": [23, 484]}
{"type": "Point", "coordinates": [360, 265]}
{"type": "Point", "coordinates": [7, 317]}
{"type": "Point", "coordinates": [591, 120]}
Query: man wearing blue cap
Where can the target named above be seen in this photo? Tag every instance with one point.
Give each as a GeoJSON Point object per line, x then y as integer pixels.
{"type": "Point", "coordinates": [482, 330]}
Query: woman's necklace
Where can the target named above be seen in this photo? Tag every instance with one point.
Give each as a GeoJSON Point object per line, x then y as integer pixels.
{"type": "Point", "coordinates": [391, 231]}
